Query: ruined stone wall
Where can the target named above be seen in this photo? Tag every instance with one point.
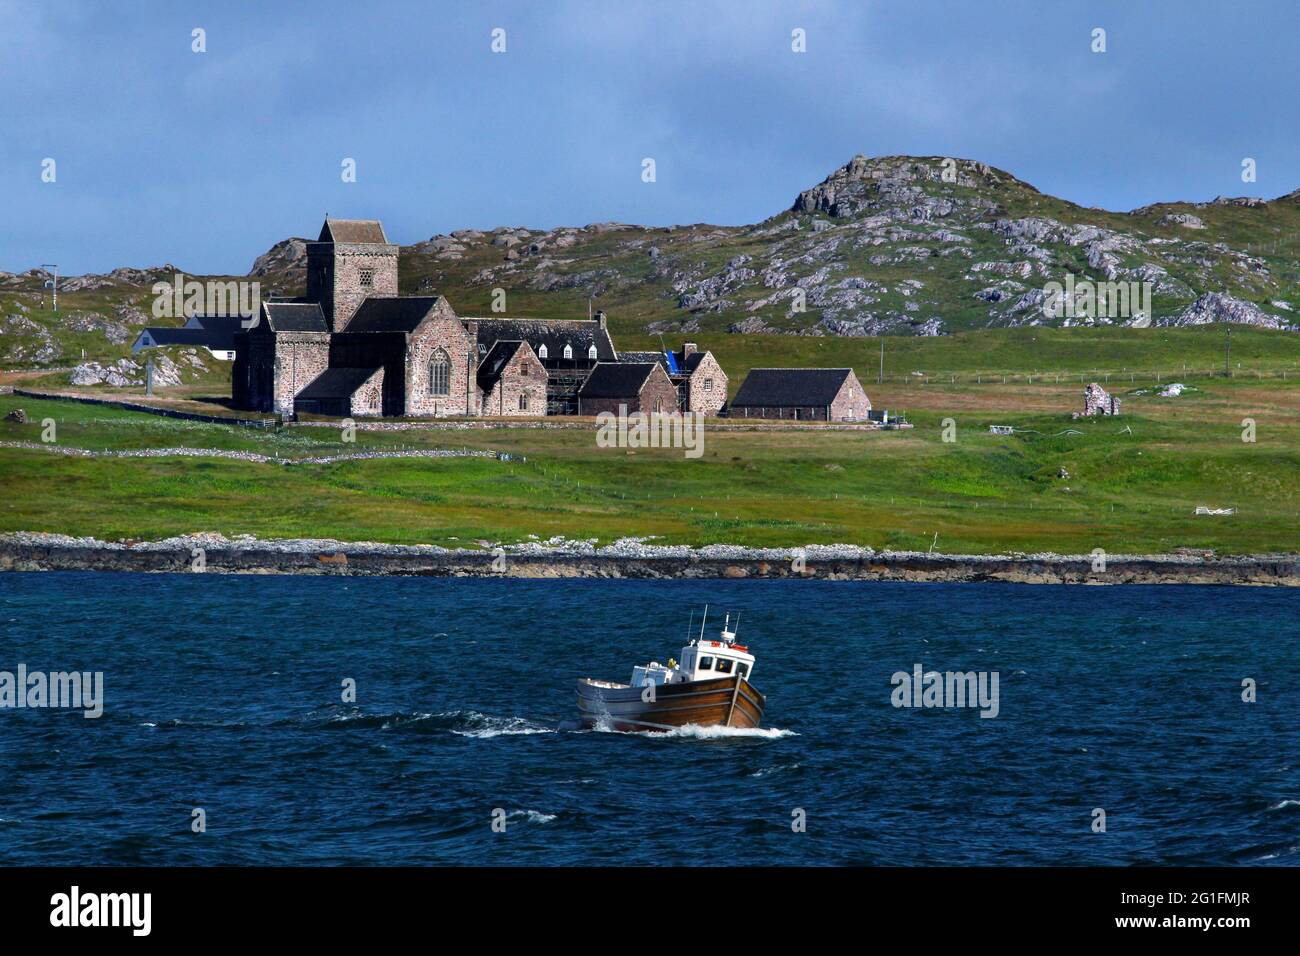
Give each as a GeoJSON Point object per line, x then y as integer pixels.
{"type": "Point", "coordinates": [1097, 401]}
{"type": "Point", "coordinates": [707, 391]}
{"type": "Point", "coordinates": [851, 403]}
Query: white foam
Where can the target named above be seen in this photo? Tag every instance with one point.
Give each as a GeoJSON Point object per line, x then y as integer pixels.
{"type": "Point", "coordinates": [533, 816]}
{"type": "Point", "coordinates": [1284, 804]}
{"type": "Point", "coordinates": [777, 769]}
{"type": "Point", "coordinates": [718, 732]}
{"type": "Point", "coordinates": [501, 727]}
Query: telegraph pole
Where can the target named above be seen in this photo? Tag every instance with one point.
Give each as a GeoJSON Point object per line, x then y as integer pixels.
{"type": "Point", "coordinates": [881, 379]}
{"type": "Point", "coordinates": [1227, 356]}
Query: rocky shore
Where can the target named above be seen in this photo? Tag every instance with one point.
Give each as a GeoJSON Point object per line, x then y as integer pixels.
{"type": "Point", "coordinates": [627, 558]}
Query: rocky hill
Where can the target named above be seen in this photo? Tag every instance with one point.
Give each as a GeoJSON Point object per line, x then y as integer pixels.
{"type": "Point", "coordinates": [898, 245]}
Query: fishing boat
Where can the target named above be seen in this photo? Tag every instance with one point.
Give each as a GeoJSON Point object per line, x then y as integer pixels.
{"type": "Point", "coordinates": [711, 686]}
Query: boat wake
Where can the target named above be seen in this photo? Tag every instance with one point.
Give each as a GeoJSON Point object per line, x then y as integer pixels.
{"type": "Point", "coordinates": [462, 723]}
{"type": "Point", "coordinates": [700, 732]}
{"type": "Point", "coordinates": [720, 732]}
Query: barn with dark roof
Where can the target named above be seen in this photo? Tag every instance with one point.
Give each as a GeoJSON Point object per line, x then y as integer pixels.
{"type": "Point", "coordinates": [700, 381]}
{"type": "Point", "coordinates": [627, 387]}
{"type": "Point", "coordinates": [802, 394]}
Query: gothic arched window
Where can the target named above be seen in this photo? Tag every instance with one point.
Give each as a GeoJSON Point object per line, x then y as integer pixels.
{"type": "Point", "coordinates": [541, 352]}
{"type": "Point", "coordinates": [568, 351]}
{"type": "Point", "coordinates": [591, 353]}
{"type": "Point", "coordinates": [439, 373]}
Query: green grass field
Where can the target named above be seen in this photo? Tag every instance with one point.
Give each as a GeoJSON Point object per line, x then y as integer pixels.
{"type": "Point", "coordinates": [1134, 482]}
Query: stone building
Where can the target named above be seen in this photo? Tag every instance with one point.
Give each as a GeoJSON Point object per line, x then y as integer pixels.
{"type": "Point", "coordinates": [802, 394]}
{"type": "Point", "coordinates": [1097, 401]}
{"type": "Point", "coordinates": [701, 383]}
{"type": "Point", "coordinates": [635, 386]}
{"type": "Point", "coordinates": [352, 346]}
{"type": "Point", "coordinates": [512, 380]}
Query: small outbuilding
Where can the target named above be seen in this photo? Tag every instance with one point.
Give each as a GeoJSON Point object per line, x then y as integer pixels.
{"type": "Point", "coordinates": [802, 394]}
{"type": "Point", "coordinates": [638, 386]}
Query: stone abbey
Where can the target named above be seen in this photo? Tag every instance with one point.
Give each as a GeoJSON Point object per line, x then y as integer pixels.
{"type": "Point", "coordinates": [351, 346]}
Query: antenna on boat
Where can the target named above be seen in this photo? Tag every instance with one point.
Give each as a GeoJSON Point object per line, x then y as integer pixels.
{"type": "Point", "coordinates": [691, 626]}
{"type": "Point", "coordinates": [702, 620]}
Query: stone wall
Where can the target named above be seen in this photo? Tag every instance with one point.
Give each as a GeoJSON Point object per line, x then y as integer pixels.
{"type": "Point", "coordinates": [368, 400]}
{"type": "Point", "coordinates": [441, 329]}
{"type": "Point", "coordinates": [658, 394]}
{"type": "Point", "coordinates": [524, 377]}
{"type": "Point", "coordinates": [334, 276]}
{"type": "Point", "coordinates": [1097, 401]}
{"type": "Point", "coordinates": [851, 403]}
{"type": "Point", "coordinates": [707, 390]}
{"type": "Point", "coordinates": [796, 413]}
{"type": "Point", "coordinates": [299, 358]}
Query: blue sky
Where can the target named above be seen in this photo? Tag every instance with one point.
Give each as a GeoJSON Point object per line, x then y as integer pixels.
{"type": "Point", "coordinates": [205, 160]}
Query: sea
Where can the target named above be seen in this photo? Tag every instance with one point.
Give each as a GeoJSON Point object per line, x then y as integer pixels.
{"type": "Point", "coordinates": [269, 719]}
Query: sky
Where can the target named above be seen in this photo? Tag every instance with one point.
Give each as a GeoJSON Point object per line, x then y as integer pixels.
{"type": "Point", "coordinates": [204, 160]}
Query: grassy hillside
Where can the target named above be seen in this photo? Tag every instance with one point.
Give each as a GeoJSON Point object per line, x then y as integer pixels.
{"type": "Point", "coordinates": [1133, 482]}
{"type": "Point", "coordinates": [885, 245]}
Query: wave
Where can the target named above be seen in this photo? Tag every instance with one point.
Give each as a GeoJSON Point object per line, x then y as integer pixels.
{"type": "Point", "coordinates": [462, 723]}
{"type": "Point", "coordinates": [486, 727]}
{"type": "Point", "coordinates": [1282, 805]}
{"type": "Point", "coordinates": [765, 771]}
{"type": "Point", "coordinates": [532, 816]}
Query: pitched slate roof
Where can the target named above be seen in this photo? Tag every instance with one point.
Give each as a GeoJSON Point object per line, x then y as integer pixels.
{"type": "Point", "coordinates": [336, 382]}
{"type": "Point", "coordinates": [219, 325]}
{"type": "Point", "coordinates": [656, 358]}
{"type": "Point", "coordinates": [777, 387]}
{"type": "Point", "coordinates": [219, 340]}
{"type": "Point", "coordinates": [684, 366]}
{"type": "Point", "coordinates": [616, 379]}
{"type": "Point", "coordinates": [555, 334]}
{"type": "Point", "coordinates": [391, 313]}
{"type": "Point", "coordinates": [353, 230]}
{"type": "Point", "coordinates": [295, 317]}
{"type": "Point", "coordinates": [498, 357]}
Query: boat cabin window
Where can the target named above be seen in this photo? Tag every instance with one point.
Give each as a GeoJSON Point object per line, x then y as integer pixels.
{"type": "Point", "coordinates": [724, 666]}
{"type": "Point", "coordinates": [706, 663]}
{"type": "Point", "coordinates": [742, 668]}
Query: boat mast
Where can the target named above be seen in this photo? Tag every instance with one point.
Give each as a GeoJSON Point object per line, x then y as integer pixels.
{"type": "Point", "coordinates": [702, 620]}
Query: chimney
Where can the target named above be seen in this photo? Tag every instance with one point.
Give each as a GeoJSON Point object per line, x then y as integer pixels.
{"type": "Point", "coordinates": [600, 317]}
{"type": "Point", "coordinates": [690, 348]}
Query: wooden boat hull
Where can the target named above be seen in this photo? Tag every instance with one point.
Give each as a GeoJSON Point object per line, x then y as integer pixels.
{"type": "Point", "coordinates": [725, 701]}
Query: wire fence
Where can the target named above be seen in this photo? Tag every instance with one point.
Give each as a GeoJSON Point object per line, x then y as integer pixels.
{"type": "Point", "coordinates": [1130, 377]}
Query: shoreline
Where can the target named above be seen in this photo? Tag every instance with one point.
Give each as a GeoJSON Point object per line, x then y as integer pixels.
{"type": "Point", "coordinates": [628, 558]}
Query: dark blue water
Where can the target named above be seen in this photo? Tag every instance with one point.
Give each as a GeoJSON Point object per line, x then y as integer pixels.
{"type": "Point", "coordinates": [224, 693]}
